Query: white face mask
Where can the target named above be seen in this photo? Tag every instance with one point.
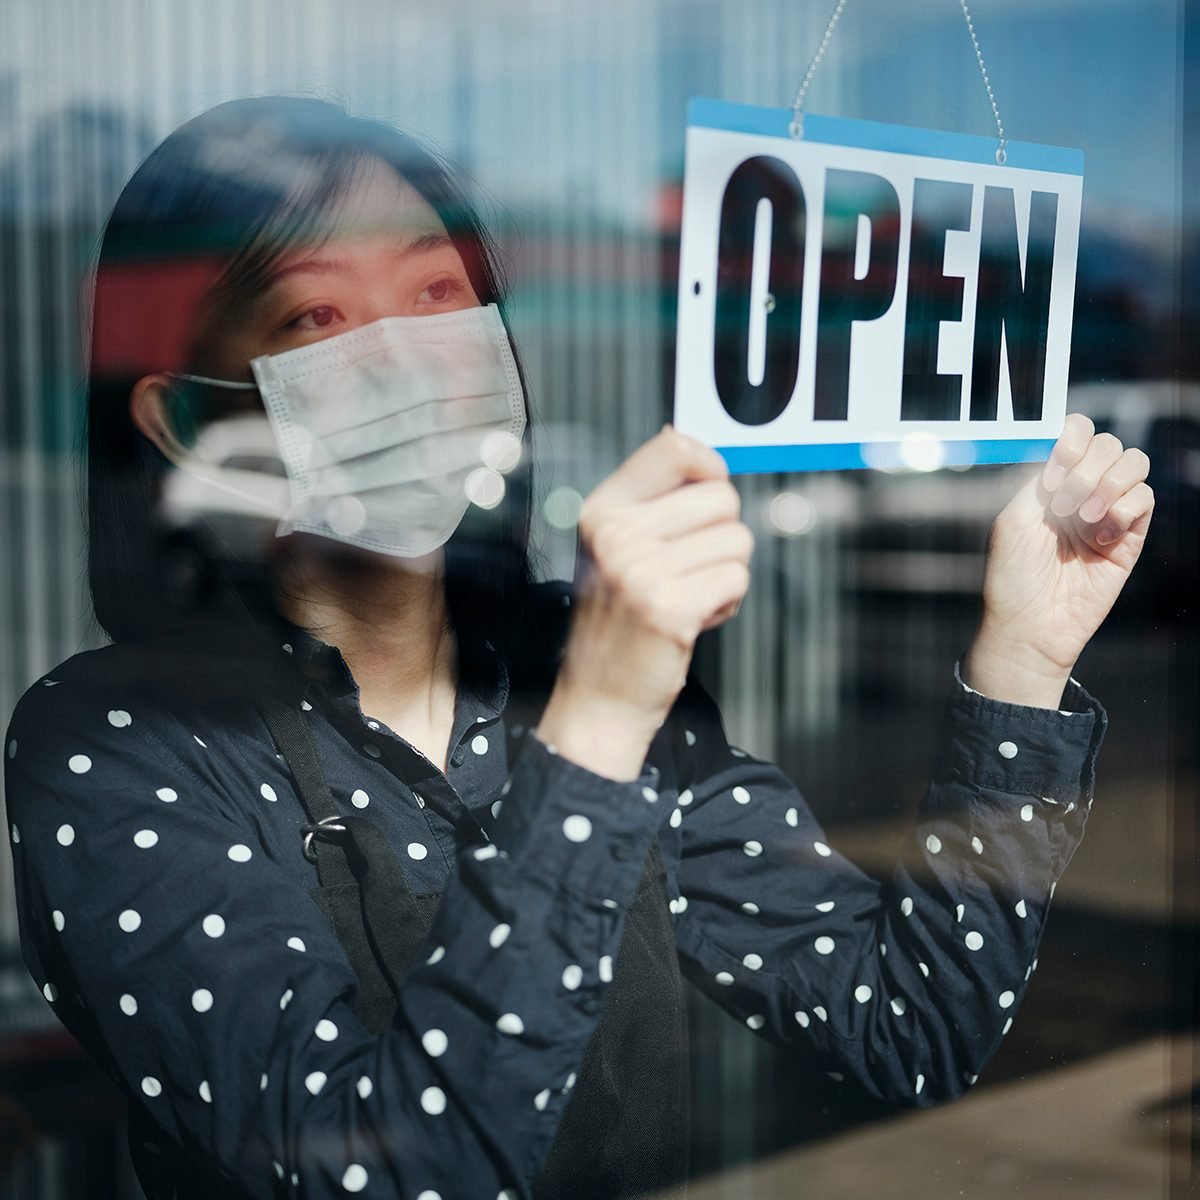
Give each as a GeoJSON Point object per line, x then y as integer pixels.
{"type": "Point", "coordinates": [390, 431]}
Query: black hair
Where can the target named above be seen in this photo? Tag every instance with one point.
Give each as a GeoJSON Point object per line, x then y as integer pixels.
{"type": "Point", "coordinates": [202, 219]}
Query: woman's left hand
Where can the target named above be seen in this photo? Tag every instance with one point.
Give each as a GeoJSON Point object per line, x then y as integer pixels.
{"type": "Point", "coordinates": [1058, 556]}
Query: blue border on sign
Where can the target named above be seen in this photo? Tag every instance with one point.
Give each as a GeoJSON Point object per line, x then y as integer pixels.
{"type": "Point", "coordinates": [844, 456]}
{"type": "Point", "coordinates": [876, 135]}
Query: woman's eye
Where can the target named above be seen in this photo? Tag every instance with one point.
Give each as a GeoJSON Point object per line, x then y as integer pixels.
{"type": "Point", "coordinates": [442, 290]}
{"type": "Point", "coordinates": [320, 317]}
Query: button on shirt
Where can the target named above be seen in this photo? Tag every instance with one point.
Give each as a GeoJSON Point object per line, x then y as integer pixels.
{"type": "Point", "coordinates": [165, 914]}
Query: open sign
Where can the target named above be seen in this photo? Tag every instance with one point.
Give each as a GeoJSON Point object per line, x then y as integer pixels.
{"type": "Point", "coordinates": [846, 293]}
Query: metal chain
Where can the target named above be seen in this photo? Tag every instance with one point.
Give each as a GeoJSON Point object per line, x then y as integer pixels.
{"type": "Point", "coordinates": [1001, 154]}
{"type": "Point", "coordinates": [796, 128]}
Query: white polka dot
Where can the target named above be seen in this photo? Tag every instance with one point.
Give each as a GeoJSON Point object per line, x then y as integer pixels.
{"type": "Point", "coordinates": [1020, 909]}
{"type": "Point", "coordinates": [202, 1000]}
{"type": "Point", "coordinates": [973, 940]}
{"type": "Point", "coordinates": [920, 1084]}
{"type": "Point", "coordinates": [803, 1019]}
{"type": "Point", "coordinates": [296, 943]}
{"type": "Point", "coordinates": [479, 743]}
{"type": "Point", "coordinates": [1007, 749]}
{"type": "Point", "coordinates": [609, 903]}
{"type": "Point", "coordinates": [541, 1099]}
{"type": "Point", "coordinates": [824, 945]}
{"type": "Point", "coordinates": [287, 647]}
{"type": "Point", "coordinates": [239, 853]}
{"type": "Point", "coordinates": [364, 1087]}
{"type": "Point", "coordinates": [79, 763]}
{"type": "Point", "coordinates": [145, 838]}
{"type": "Point", "coordinates": [199, 742]}
{"type": "Point", "coordinates": [429, 1194]}
{"type": "Point", "coordinates": [436, 956]}
{"type": "Point", "coordinates": [498, 935]}
{"type": "Point", "coordinates": [676, 818]}
{"type": "Point", "coordinates": [820, 1012]}
{"type": "Point", "coordinates": [976, 845]}
{"type": "Point", "coordinates": [883, 949]}
{"type": "Point", "coordinates": [606, 969]}
{"type": "Point", "coordinates": [685, 797]}
{"type": "Point", "coordinates": [326, 1030]}
{"type": "Point", "coordinates": [359, 798]}
{"type": "Point", "coordinates": [285, 999]}
{"type": "Point", "coordinates": [1006, 999]}
{"type": "Point", "coordinates": [906, 906]}
{"type": "Point", "coordinates": [649, 795]}
{"type": "Point", "coordinates": [65, 835]}
{"type": "Point", "coordinates": [16, 833]}
{"type": "Point", "coordinates": [1007, 1027]}
{"type": "Point", "coordinates": [58, 919]}
{"type": "Point", "coordinates": [510, 1023]}
{"type": "Point", "coordinates": [355, 1178]}
{"type": "Point", "coordinates": [485, 852]}
{"type": "Point", "coordinates": [435, 1042]}
{"type": "Point", "coordinates": [752, 961]}
{"type": "Point", "coordinates": [933, 844]}
{"type": "Point", "coordinates": [899, 1005]}
{"type": "Point", "coordinates": [959, 909]}
{"type": "Point", "coordinates": [151, 1086]}
{"type": "Point", "coordinates": [506, 788]}
{"type": "Point", "coordinates": [167, 795]}
{"type": "Point", "coordinates": [128, 1005]}
{"type": "Point", "coordinates": [689, 737]}
{"type": "Point", "coordinates": [305, 706]}
{"type": "Point", "coordinates": [267, 792]}
{"type": "Point", "coordinates": [822, 849]}
{"type": "Point", "coordinates": [862, 993]}
{"type": "Point", "coordinates": [278, 1168]}
{"type": "Point", "coordinates": [1026, 812]}
{"type": "Point", "coordinates": [792, 817]}
{"type": "Point", "coordinates": [741, 795]}
{"type": "Point", "coordinates": [737, 752]}
{"type": "Point", "coordinates": [213, 925]}
{"type": "Point", "coordinates": [315, 1082]}
{"type": "Point", "coordinates": [753, 848]}
{"type": "Point", "coordinates": [748, 906]}
{"type": "Point", "coordinates": [972, 1079]}
{"type": "Point", "coordinates": [50, 992]}
{"type": "Point", "coordinates": [372, 724]}
{"type": "Point", "coordinates": [205, 1092]}
{"type": "Point", "coordinates": [129, 920]}
{"type": "Point", "coordinates": [681, 904]}
{"type": "Point", "coordinates": [756, 1021]}
{"type": "Point", "coordinates": [572, 977]}
{"type": "Point", "coordinates": [825, 906]}
{"type": "Point", "coordinates": [12, 748]}
{"type": "Point", "coordinates": [724, 978]}
{"type": "Point", "coordinates": [372, 749]}
{"type": "Point", "coordinates": [577, 828]}
{"type": "Point", "coordinates": [836, 1076]}
{"type": "Point", "coordinates": [118, 718]}
{"type": "Point", "coordinates": [496, 808]}
{"type": "Point", "coordinates": [417, 851]}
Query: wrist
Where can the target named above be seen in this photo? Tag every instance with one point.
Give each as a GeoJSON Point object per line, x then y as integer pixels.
{"type": "Point", "coordinates": [1006, 668]}
{"type": "Point", "coordinates": [606, 737]}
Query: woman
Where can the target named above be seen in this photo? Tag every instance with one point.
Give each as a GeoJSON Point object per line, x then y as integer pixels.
{"type": "Point", "coordinates": [464, 977]}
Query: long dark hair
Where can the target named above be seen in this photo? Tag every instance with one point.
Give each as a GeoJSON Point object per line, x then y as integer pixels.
{"type": "Point", "coordinates": [205, 214]}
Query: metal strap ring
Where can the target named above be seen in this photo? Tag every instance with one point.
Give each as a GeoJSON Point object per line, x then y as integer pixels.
{"type": "Point", "coordinates": [308, 829]}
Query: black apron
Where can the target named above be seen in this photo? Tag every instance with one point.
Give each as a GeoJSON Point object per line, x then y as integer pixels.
{"type": "Point", "coordinates": [625, 1130]}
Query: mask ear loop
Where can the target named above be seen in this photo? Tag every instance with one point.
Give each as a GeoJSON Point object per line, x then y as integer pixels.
{"type": "Point", "coordinates": [225, 383]}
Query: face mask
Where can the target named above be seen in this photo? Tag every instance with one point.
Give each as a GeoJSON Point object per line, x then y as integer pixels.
{"type": "Point", "coordinates": [382, 429]}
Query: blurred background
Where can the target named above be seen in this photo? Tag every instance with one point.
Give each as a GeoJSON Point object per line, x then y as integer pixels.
{"type": "Point", "coordinates": [569, 118]}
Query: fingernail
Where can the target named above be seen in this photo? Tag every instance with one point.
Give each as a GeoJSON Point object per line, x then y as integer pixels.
{"type": "Point", "coordinates": [1106, 535]}
{"type": "Point", "coordinates": [1092, 509]}
{"type": "Point", "coordinates": [1062, 504]}
{"type": "Point", "coordinates": [1053, 476]}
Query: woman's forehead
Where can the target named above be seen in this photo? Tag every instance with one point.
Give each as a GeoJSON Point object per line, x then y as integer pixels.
{"type": "Point", "coordinates": [376, 202]}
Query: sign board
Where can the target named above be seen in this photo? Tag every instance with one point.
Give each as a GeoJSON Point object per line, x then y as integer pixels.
{"type": "Point", "coordinates": [869, 287]}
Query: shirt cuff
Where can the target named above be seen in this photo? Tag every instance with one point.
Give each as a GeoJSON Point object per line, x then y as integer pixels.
{"type": "Point", "coordinates": [1020, 748]}
{"type": "Point", "coordinates": [584, 830]}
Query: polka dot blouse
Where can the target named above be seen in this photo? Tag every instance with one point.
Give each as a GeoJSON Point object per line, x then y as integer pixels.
{"type": "Point", "coordinates": [164, 909]}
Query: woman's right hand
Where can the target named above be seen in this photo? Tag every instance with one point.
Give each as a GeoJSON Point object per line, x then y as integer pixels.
{"type": "Point", "coordinates": [664, 557]}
